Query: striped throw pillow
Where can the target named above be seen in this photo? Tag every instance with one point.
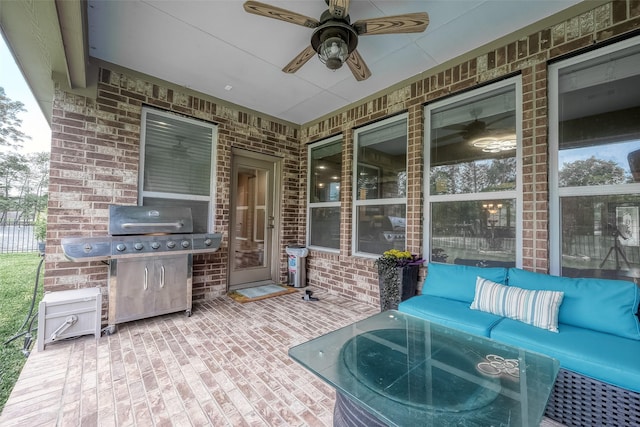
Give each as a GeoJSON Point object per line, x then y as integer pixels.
{"type": "Point", "coordinates": [537, 308]}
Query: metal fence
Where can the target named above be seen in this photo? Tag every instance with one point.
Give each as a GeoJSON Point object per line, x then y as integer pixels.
{"type": "Point", "coordinates": [17, 238]}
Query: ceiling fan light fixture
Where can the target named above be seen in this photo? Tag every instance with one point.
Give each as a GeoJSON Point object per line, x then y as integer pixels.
{"type": "Point", "coordinates": [333, 52]}
{"type": "Point", "coordinates": [496, 144]}
{"type": "Point", "coordinates": [334, 41]}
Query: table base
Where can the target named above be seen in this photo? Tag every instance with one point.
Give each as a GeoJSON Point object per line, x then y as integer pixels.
{"type": "Point", "coordinates": [347, 413]}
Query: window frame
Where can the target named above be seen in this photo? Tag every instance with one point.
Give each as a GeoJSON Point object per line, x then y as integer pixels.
{"type": "Point", "coordinates": [555, 191]}
{"type": "Point", "coordinates": [515, 194]}
{"type": "Point", "coordinates": [311, 205]}
{"type": "Point", "coordinates": [211, 199]}
{"type": "Point", "coordinates": [356, 203]}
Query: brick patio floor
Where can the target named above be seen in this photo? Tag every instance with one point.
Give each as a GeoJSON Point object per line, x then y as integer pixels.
{"type": "Point", "coordinates": [226, 365]}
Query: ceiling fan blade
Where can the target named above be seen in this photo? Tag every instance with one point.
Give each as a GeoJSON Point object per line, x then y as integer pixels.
{"type": "Point", "coordinates": [299, 60]}
{"type": "Point", "coordinates": [339, 8]}
{"type": "Point", "coordinates": [358, 67]}
{"type": "Point", "coordinates": [408, 23]}
{"type": "Point", "coordinates": [269, 11]}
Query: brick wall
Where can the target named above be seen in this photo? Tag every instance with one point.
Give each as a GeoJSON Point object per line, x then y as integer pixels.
{"type": "Point", "coordinates": [527, 56]}
{"type": "Point", "coordinates": [94, 162]}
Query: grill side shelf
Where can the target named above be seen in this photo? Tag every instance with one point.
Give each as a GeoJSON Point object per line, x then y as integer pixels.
{"type": "Point", "coordinates": [79, 249]}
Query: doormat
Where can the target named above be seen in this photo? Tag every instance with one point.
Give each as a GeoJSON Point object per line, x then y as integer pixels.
{"type": "Point", "coordinates": [260, 292]}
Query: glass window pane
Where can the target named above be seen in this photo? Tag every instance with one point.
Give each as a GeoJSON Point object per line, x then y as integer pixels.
{"type": "Point", "coordinates": [382, 162]}
{"type": "Point", "coordinates": [473, 144]}
{"type": "Point", "coordinates": [380, 228]}
{"type": "Point", "coordinates": [601, 236]}
{"type": "Point", "coordinates": [325, 172]}
{"type": "Point", "coordinates": [478, 233]}
{"type": "Point", "coordinates": [598, 121]}
{"type": "Point", "coordinates": [325, 227]}
{"type": "Point", "coordinates": [177, 156]}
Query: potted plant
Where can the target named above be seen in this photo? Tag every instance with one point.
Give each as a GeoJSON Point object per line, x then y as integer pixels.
{"type": "Point", "coordinates": [40, 231]}
{"type": "Point", "coordinates": [397, 277]}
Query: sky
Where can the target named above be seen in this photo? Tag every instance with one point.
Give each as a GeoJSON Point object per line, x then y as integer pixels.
{"type": "Point", "coordinates": [33, 122]}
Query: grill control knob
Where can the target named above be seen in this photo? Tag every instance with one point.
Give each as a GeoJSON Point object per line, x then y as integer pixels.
{"type": "Point", "coordinates": [207, 242]}
{"type": "Point", "coordinates": [171, 244]}
{"type": "Point", "coordinates": [155, 245]}
{"type": "Point", "coordinates": [138, 246]}
{"type": "Point", "coordinates": [120, 247]}
{"type": "Point", "coordinates": [185, 244]}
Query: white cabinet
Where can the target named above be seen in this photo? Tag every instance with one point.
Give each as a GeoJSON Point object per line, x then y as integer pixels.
{"type": "Point", "coordinates": [149, 286]}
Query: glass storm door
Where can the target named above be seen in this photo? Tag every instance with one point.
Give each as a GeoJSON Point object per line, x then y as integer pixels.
{"type": "Point", "coordinates": [252, 219]}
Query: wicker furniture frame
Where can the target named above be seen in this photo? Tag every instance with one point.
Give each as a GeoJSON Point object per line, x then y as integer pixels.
{"type": "Point", "coordinates": [577, 400]}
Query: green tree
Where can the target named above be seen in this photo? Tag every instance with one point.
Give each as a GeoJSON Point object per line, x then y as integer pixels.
{"type": "Point", "coordinates": [23, 178]}
{"type": "Point", "coordinates": [10, 133]}
{"type": "Point", "coordinates": [591, 171]}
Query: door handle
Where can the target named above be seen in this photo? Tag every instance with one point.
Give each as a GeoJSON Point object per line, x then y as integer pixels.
{"type": "Point", "coordinates": [146, 278]}
{"type": "Point", "coordinates": [271, 224]}
{"type": "Point", "coordinates": [162, 276]}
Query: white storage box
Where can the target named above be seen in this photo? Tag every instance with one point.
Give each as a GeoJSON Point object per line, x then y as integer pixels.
{"type": "Point", "coordinates": [68, 314]}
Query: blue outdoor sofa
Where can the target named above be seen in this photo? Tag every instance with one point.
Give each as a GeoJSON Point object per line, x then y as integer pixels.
{"type": "Point", "coordinates": [597, 341]}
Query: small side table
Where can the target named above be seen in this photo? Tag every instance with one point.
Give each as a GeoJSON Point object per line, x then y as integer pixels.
{"type": "Point", "coordinates": [68, 314]}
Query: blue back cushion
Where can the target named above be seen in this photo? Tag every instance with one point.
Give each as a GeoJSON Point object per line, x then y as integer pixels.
{"type": "Point", "coordinates": [458, 282]}
{"type": "Point", "coordinates": [598, 304]}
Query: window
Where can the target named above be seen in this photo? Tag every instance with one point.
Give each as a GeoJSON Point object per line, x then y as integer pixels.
{"type": "Point", "coordinates": [594, 133]}
{"type": "Point", "coordinates": [177, 165]}
{"type": "Point", "coordinates": [325, 169]}
{"type": "Point", "coordinates": [380, 186]}
{"type": "Point", "coordinates": [473, 188]}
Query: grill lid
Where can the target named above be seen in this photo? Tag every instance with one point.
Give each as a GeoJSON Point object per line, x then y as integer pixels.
{"type": "Point", "coordinates": [132, 220]}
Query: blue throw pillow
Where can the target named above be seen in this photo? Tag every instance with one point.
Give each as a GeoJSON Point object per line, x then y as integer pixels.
{"type": "Point", "coordinates": [599, 304]}
{"type": "Point", "coordinates": [458, 282]}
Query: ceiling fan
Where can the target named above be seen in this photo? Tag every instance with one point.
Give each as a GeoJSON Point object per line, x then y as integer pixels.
{"type": "Point", "coordinates": [484, 135]}
{"type": "Point", "coordinates": [334, 38]}
{"type": "Point", "coordinates": [470, 130]}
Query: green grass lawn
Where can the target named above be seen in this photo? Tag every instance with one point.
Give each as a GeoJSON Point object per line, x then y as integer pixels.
{"type": "Point", "coordinates": [17, 280]}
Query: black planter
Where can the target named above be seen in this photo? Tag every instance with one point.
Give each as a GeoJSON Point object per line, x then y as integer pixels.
{"type": "Point", "coordinates": [397, 286]}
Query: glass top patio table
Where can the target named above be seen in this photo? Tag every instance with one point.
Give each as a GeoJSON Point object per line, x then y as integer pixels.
{"type": "Point", "coordinates": [407, 371]}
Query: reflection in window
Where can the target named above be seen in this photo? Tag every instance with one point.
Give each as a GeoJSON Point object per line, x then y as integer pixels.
{"type": "Point", "coordinates": [325, 170]}
{"type": "Point", "coordinates": [380, 228]}
{"type": "Point", "coordinates": [600, 235]}
{"type": "Point", "coordinates": [474, 232]}
{"type": "Point", "coordinates": [473, 144]}
{"type": "Point", "coordinates": [598, 162]}
{"type": "Point", "coordinates": [380, 186]}
{"type": "Point", "coordinates": [473, 167]}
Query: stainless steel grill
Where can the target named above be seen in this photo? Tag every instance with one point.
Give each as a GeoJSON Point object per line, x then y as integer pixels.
{"type": "Point", "coordinates": [150, 255]}
{"type": "Point", "coordinates": [140, 230]}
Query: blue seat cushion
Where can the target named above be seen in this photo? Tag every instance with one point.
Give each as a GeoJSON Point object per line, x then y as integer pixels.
{"type": "Point", "coordinates": [458, 282]}
{"type": "Point", "coordinates": [599, 304]}
{"type": "Point", "coordinates": [450, 313]}
{"type": "Point", "coordinates": [604, 357]}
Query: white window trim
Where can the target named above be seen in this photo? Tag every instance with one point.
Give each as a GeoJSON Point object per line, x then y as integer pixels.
{"type": "Point", "coordinates": [213, 178]}
{"type": "Point", "coordinates": [310, 204]}
{"type": "Point", "coordinates": [357, 203]}
{"type": "Point", "coordinates": [555, 192]}
{"type": "Point", "coordinates": [515, 194]}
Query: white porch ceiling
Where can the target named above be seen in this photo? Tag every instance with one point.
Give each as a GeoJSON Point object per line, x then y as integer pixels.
{"type": "Point", "coordinates": [207, 45]}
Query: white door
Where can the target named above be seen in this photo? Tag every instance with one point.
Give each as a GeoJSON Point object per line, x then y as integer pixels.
{"type": "Point", "coordinates": [253, 220]}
